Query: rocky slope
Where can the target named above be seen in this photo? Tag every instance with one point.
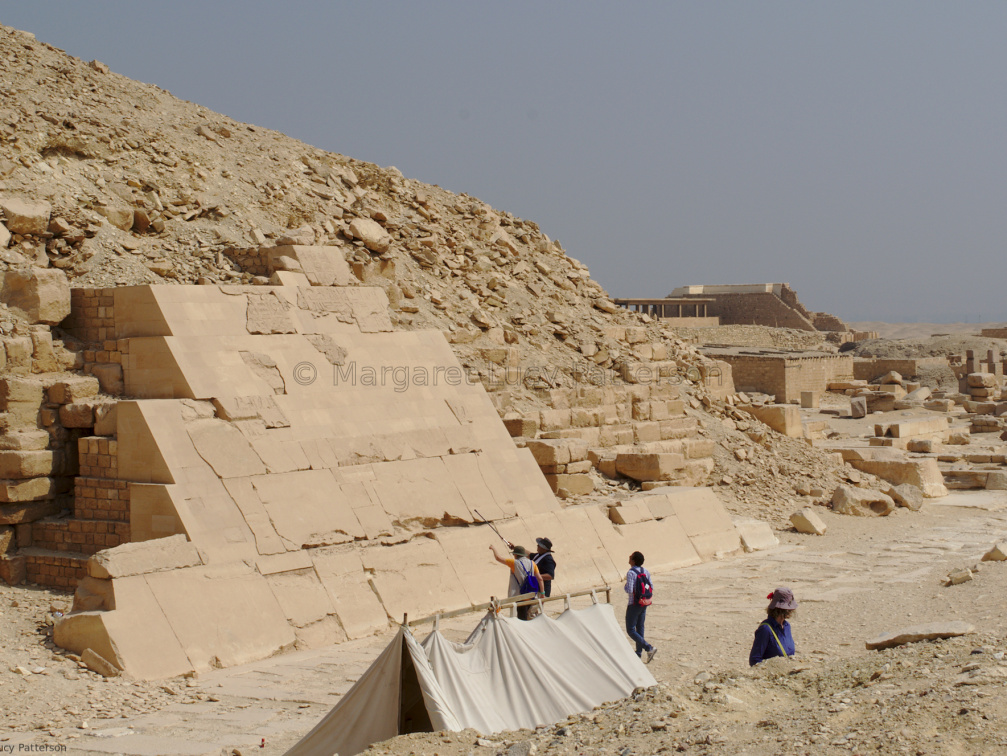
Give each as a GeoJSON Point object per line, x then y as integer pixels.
{"type": "Point", "coordinates": [144, 187]}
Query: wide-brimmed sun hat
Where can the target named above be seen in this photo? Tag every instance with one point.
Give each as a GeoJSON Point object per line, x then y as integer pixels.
{"type": "Point", "coordinates": [545, 543]}
{"type": "Point", "coordinates": [782, 598]}
{"type": "Point", "coordinates": [520, 552]}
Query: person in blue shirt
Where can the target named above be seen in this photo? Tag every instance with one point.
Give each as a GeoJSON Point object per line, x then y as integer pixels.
{"type": "Point", "coordinates": [772, 636]}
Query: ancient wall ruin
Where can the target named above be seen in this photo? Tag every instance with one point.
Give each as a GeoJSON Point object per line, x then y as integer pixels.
{"type": "Point", "coordinates": [783, 374]}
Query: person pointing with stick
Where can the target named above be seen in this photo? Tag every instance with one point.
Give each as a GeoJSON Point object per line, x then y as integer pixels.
{"type": "Point", "coordinates": [524, 575]}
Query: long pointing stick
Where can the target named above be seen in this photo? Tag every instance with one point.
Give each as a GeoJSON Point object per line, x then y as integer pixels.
{"type": "Point", "coordinates": [492, 526]}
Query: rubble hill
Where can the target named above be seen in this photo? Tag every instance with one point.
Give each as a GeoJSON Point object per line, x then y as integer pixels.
{"type": "Point", "coordinates": [142, 187]}
{"type": "Point", "coordinates": [147, 188]}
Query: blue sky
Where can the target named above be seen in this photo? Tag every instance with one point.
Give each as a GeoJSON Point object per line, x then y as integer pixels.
{"type": "Point", "coordinates": [855, 150]}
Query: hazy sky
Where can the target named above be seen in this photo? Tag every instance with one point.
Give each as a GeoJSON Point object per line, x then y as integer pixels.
{"type": "Point", "coordinates": [857, 150]}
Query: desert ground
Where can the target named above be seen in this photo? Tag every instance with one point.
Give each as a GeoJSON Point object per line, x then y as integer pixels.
{"type": "Point", "coordinates": [864, 577]}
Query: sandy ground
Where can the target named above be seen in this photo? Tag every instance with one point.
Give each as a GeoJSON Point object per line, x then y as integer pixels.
{"type": "Point", "coordinates": [864, 577]}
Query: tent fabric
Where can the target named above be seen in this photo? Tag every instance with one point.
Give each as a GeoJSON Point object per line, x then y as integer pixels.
{"type": "Point", "coordinates": [508, 675]}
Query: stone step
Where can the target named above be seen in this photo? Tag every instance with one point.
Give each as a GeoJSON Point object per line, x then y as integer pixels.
{"type": "Point", "coordinates": [54, 569]}
{"type": "Point", "coordinates": [81, 536]}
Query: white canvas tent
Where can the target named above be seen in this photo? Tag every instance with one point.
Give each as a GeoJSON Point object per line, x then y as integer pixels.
{"type": "Point", "coordinates": [508, 675]}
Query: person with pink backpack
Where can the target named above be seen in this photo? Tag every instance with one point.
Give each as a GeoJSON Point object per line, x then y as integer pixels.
{"type": "Point", "coordinates": [641, 595]}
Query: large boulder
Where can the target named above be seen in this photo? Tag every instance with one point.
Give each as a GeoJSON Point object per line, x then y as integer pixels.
{"type": "Point", "coordinates": [807, 521]}
{"type": "Point", "coordinates": [371, 233]}
{"type": "Point", "coordinates": [894, 467]}
{"type": "Point", "coordinates": [41, 294]}
{"type": "Point", "coordinates": [861, 502]}
{"type": "Point", "coordinates": [26, 217]}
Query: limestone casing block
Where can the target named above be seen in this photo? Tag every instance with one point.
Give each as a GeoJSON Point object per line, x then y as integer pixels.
{"type": "Point", "coordinates": [892, 466]}
{"type": "Point", "coordinates": [643, 467]}
{"type": "Point", "coordinates": [143, 557]}
{"type": "Point", "coordinates": [42, 294]}
{"type": "Point", "coordinates": [322, 266]}
{"type": "Point", "coordinates": [807, 521]}
{"type": "Point", "coordinates": [782, 418]}
{"type": "Point", "coordinates": [756, 535]}
{"type": "Point", "coordinates": [701, 513]}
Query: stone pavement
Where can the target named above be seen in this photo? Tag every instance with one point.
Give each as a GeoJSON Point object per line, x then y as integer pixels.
{"type": "Point", "coordinates": [867, 575]}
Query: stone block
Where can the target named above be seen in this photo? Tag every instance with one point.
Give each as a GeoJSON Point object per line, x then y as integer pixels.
{"type": "Point", "coordinates": [13, 569]}
{"type": "Point", "coordinates": [809, 400]}
{"type": "Point", "coordinates": [22, 512]}
{"type": "Point", "coordinates": [701, 514]}
{"type": "Point", "coordinates": [756, 535]}
{"type": "Point", "coordinates": [25, 217]}
{"type": "Point", "coordinates": [109, 377]}
{"type": "Point", "coordinates": [981, 380]}
{"type": "Point", "coordinates": [862, 502]}
{"type": "Point", "coordinates": [939, 405]}
{"type": "Point", "coordinates": [629, 512]}
{"type": "Point", "coordinates": [98, 663]}
{"type": "Point", "coordinates": [807, 521]}
{"type": "Point", "coordinates": [144, 557]}
{"type": "Point", "coordinates": [996, 480]}
{"type": "Point", "coordinates": [521, 426]}
{"type": "Point", "coordinates": [73, 389]}
{"type": "Point", "coordinates": [42, 295]}
{"type": "Point", "coordinates": [996, 554]}
{"type": "Point", "coordinates": [218, 616]}
{"type": "Point", "coordinates": [906, 495]}
{"type": "Point", "coordinates": [77, 415]}
{"type": "Point", "coordinates": [26, 464]}
{"type": "Point", "coordinates": [371, 233]}
{"type": "Point", "coordinates": [646, 432]}
{"type": "Point", "coordinates": [565, 485]}
{"type": "Point", "coordinates": [880, 401]}
{"type": "Point", "coordinates": [225, 449]}
{"type": "Point", "coordinates": [550, 452]}
{"type": "Point", "coordinates": [782, 418]}
{"type": "Point", "coordinates": [556, 419]}
{"type": "Point", "coordinates": [643, 466]}
{"type": "Point", "coordinates": [892, 466]}
{"type": "Point", "coordinates": [858, 407]}
{"type": "Point", "coordinates": [20, 491]}
{"type": "Point", "coordinates": [43, 357]}
{"type": "Point", "coordinates": [321, 266]}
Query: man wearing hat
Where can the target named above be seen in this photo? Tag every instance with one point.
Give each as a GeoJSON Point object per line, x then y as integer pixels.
{"type": "Point", "coordinates": [546, 563]}
{"type": "Point", "coordinates": [772, 636]}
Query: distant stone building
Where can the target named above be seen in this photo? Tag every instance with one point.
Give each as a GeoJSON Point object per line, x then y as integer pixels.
{"type": "Point", "coordinates": [769, 304]}
{"type": "Point", "coordinates": [782, 373]}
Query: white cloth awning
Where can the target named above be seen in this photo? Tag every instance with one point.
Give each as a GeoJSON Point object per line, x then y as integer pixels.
{"type": "Point", "coordinates": [508, 675]}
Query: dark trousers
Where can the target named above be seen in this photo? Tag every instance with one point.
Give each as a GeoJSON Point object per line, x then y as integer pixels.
{"type": "Point", "coordinates": [636, 616]}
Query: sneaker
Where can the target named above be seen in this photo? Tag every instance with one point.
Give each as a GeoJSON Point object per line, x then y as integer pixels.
{"type": "Point", "coordinates": [651, 654]}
